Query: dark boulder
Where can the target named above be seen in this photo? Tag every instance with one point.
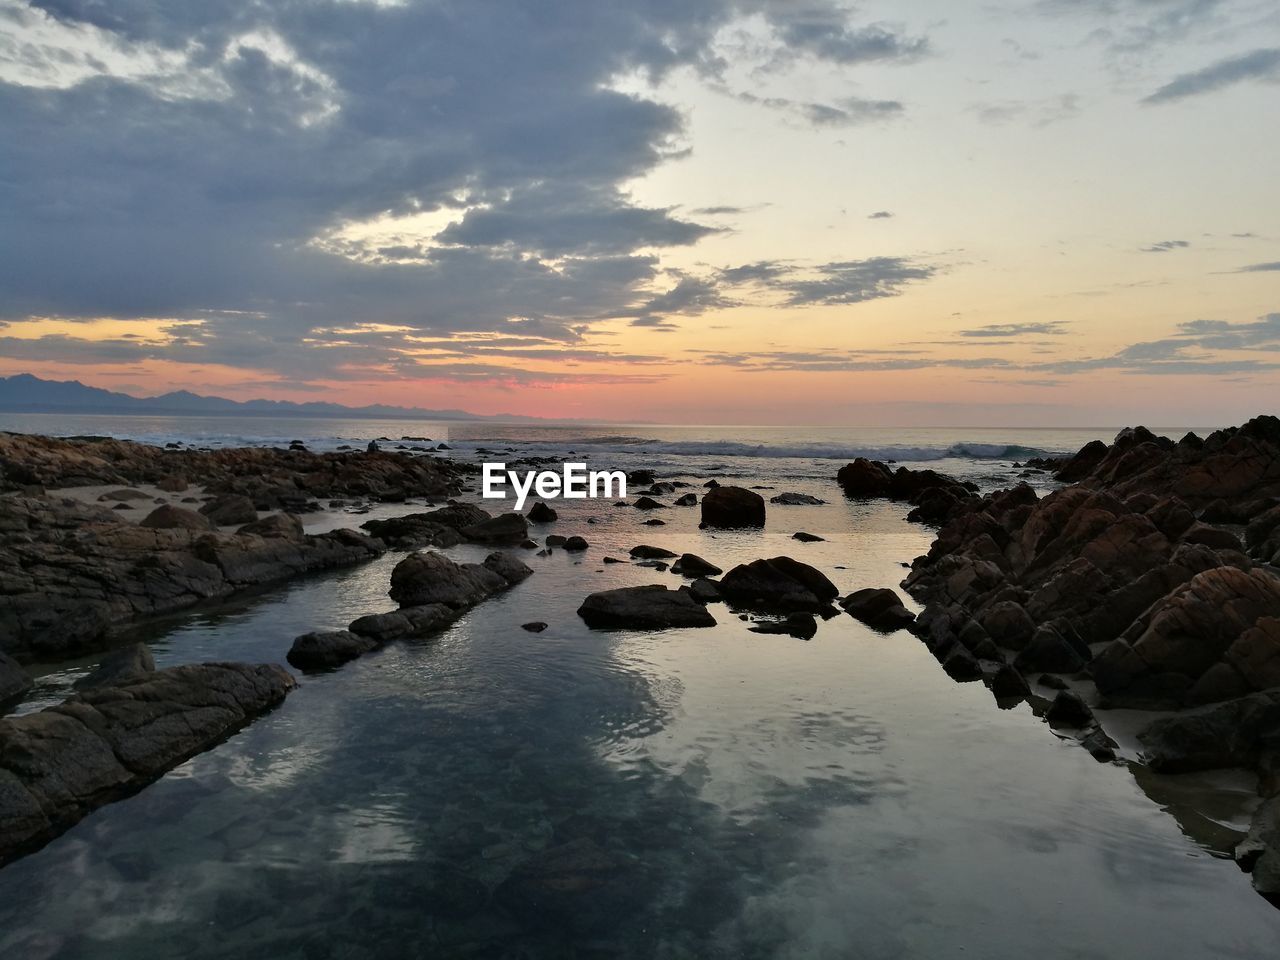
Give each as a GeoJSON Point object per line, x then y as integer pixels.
{"type": "Point", "coordinates": [541, 513]}
{"type": "Point", "coordinates": [648, 503]}
{"type": "Point", "coordinates": [328, 649]}
{"type": "Point", "coordinates": [169, 517]}
{"type": "Point", "coordinates": [779, 583]}
{"type": "Point", "coordinates": [692, 565]}
{"type": "Point", "coordinates": [733, 507]}
{"type": "Point", "coordinates": [646, 552]}
{"type": "Point", "coordinates": [14, 681]}
{"type": "Point", "coordinates": [284, 525]}
{"type": "Point", "coordinates": [800, 625]}
{"type": "Point", "coordinates": [576, 544]}
{"type": "Point", "coordinates": [1069, 710]}
{"type": "Point", "coordinates": [687, 500]}
{"type": "Point", "coordinates": [428, 577]}
{"type": "Point", "coordinates": [880, 608]}
{"type": "Point", "coordinates": [230, 510]}
{"type": "Point", "coordinates": [796, 500]}
{"type": "Point", "coordinates": [508, 528]}
{"type": "Point", "coordinates": [125, 663]}
{"type": "Point", "coordinates": [644, 608]}
{"type": "Point", "coordinates": [807, 537]}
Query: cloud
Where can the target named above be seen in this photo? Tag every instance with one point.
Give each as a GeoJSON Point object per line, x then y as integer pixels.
{"type": "Point", "coordinates": [854, 281]}
{"type": "Point", "coordinates": [880, 215]}
{"type": "Point", "coordinates": [1164, 246]}
{"type": "Point", "coordinates": [1263, 64]}
{"type": "Point", "coordinates": [851, 111]}
{"type": "Point", "coordinates": [1037, 113]}
{"type": "Point", "coordinates": [225, 164]}
{"type": "Point", "coordinates": [1053, 328]}
{"type": "Point", "coordinates": [1274, 265]}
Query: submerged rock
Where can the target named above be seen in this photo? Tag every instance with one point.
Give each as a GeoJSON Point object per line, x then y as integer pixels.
{"type": "Point", "coordinates": [692, 565]}
{"type": "Point", "coordinates": [508, 528]}
{"type": "Point", "coordinates": [807, 537]}
{"type": "Point", "coordinates": [802, 626]}
{"type": "Point", "coordinates": [59, 764]}
{"type": "Point", "coordinates": [646, 552]}
{"type": "Point", "coordinates": [732, 507]}
{"type": "Point", "coordinates": [644, 608]}
{"type": "Point", "coordinates": [327, 649]}
{"type": "Point", "coordinates": [796, 500]}
{"type": "Point", "coordinates": [429, 578]}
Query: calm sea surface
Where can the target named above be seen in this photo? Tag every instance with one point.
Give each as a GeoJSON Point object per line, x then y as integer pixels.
{"type": "Point", "coordinates": [762, 796]}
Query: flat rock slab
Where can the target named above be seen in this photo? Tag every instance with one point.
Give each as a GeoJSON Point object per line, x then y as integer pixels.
{"type": "Point", "coordinates": [651, 607]}
{"type": "Point", "coordinates": [63, 762]}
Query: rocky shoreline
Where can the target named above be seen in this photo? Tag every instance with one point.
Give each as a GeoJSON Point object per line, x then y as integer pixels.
{"type": "Point", "coordinates": [1149, 582]}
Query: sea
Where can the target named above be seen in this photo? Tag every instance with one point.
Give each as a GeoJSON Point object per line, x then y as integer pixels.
{"type": "Point", "coordinates": [692, 793]}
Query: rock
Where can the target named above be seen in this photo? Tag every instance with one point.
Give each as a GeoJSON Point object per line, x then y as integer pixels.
{"type": "Point", "coordinates": [796, 500]}
{"type": "Point", "coordinates": [14, 681]}
{"type": "Point", "coordinates": [174, 483]}
{"type": "Point", "coordinates": [1052, 682]}
{"type": "Point", "coordinates": [1069, 710]}
{"type": "Point", "coordinates": [732, 507]}
{"type": "Point", "coordinates": [576, 544]}
{"type": "Point", "coordinates": [534, 626]}
{"type": "Point", "coordinates": [325, 650]}
{"type": "Point", "coordinates": [937, 494]}
{"type": "Point", "coordinates": [687, 500]}
{"type": "Point", "coordinates": [646, 552]}
{"type": "Point", "coordinates": [122, 496]}
{"type": "Point", "coordinates": [541, 513]}
{"type": "Point", "coordinates": [555, 540]}
{"type": "Point", "coordinates": [879, 608]}
{"type": "Point", "coordinates": [640, 478]}
{"type": "Point", "coordinates": [59, 764]}
{"type": "Point", "coordinates": [1048, 650]}
{"type": "Point", "coordinates": [126, 663]}
{"type": "Point", "coordinates": [1007, 684]}
{"type": "Point", "coordinates": [692, 565]}
{"type": "Point", "coordinates": [1008, 624]}
{"type": "Point", "coordinates": [1228, 734]}
{"type": "Point", "coordinates": [705, 591]}
{"type": "Point", "coordinates": [865, 479]}
{"type": "Point", "coordinates": [284, 525]}
{"type": "Point", "coordinates": [430, 578]}
{"type": "Point", "coordinates": [405, 622]}
{"type": "Point", "coordinates": [648, 503]}
{"type": "Point", "coordinates": [961, 665]}
{"type": "Point", "coordinates": [509, 528]}
{"type": "Point", "coordinates": [170, 517]}
{"type": "Point", "coordinates": [644, 608]}
{"type": "Point", "coordinates": [229, 510]}
{"type": "Point", "coordinates": [780, 583]}
{"type": "Point", "coordinates": [711, 484]}
{"type": "Point", "coordinates": [799, 625]}
{"type": "Point", "coordinates": [1100, 746]}
{"type": "Point", "coordinates": [655, 522]}
{"type": "Point", "coordinates": [437, 528]}
{"type": "Point", "coordinates": [806, 537]}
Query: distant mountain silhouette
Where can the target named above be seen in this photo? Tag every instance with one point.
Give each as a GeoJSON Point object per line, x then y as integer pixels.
{"type": "Point", "coordinates": [30, 394]}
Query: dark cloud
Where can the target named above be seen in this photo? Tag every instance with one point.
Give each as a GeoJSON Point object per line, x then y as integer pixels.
{"type": "Point", "coordinates": [1261, 267]}
{"type": "Point", "coordinates": [1263, 64]}
{"type": "Point", "coordinates": [853, 281]}
{"type": "Point", "coordinates": [880, 215]}
{"type": "Point", "coordinates": [215, 188]}
{"type": "Point", "coordinates": [1164, 246]}
{"type": "Point", "coordinates": [850, 112]}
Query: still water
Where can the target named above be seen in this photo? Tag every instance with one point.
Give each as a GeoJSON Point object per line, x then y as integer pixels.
{"type": "Point", "coordinates": [752, 795]}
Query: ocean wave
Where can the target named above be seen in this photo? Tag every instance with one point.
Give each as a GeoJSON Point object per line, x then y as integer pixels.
{"type": "Point", "coordinates": [736, 448]}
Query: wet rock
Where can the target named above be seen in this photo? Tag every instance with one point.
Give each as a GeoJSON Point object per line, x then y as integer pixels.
{"type": "Point", "coordinates": [711, 484]}
{"type": "Point", "coordinates": [648, 503]}
{"type": "Point", "coordinates": [323, 650]}
{"type": "Point", "coordinates": [1008, 685]}
{"type": "Point", "coordinates": [732, 507]}
{"type": "Point", "coordinates": [406, 622]}
{"type": "Point", "coordinates": [644, 608]}
{"type": "Point", "coordinates": [705, 591]}
{"type": "Point", "coordinates": [14, 681]}
{"type": "Point", "coordinates": [1069, 710]}
{"type": "Point", "coordinates": [1229, 734]}
{"type": "Point", "coordinates": [796, 500]}
{"type": "Point", "coordinates": [170, 517]}
{"type": "Point", "coordinates": [687, 500]}
{"type": "Point", "coordinates": [174, 483]}
{"type": "Point", "coordinates": [123, 496]}
{"type": "Point", "coordinates": [59, 764]}
{"type": "Point", "coordinates": [534, 626]}
{"type": "Point", "coordinates": [126, 663]}
{"type": "Point", "coordinates": [1048, 650]}
{"type": "Point", "coordinates": [878, 608]}
{"type": "Point", "coordinates": [576, 544]}
{"type": "Point", "coordinates": [541, 513]}
{"type": "Point", "coordinates": [655, 522]}
{"type": "Point", "coordinates": [1008, 624]}
{"type": "Point", "coordinates": [437, 528]}
{"type": "Point", "coordinates": [230, 510]}
{"type": "Point", "coordinates": [284, 525]}
{"type": "Point", "coordinates": [556, 540]}
{"type": "Point", "coordinates": [1259, 852]}
{"type": "Point", "coordinates": [692, 565]}
{"type": "Point", "coordinates": [779, 583]}
{"type": "Point", "coordinates": [1100, 746]}
{"type": "Point", "coordinates": [429, 578]}
{"type": "Point", "coordinates": [961, 665]}
{"type": "Point", "coordinates": [509, 528]}
{"type": "Point", "coordinates": [1052, 682]}
{"type": "Point", "coordinates": [807, 537]}
{"type": "Point", "coordinates": [646, 552]}
{"type": "Point", "coordinates": [802, 626]}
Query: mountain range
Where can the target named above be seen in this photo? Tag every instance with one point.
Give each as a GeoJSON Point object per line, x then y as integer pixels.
{"type": "Point", "coordinates": [30, 394]}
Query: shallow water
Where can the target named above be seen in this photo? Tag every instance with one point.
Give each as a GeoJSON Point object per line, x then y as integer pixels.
{"type": "Point", "coordinates": [764, 796]}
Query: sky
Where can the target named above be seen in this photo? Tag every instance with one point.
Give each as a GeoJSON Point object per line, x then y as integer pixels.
{"type": "Point", "coordinates": [1021, 213]}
